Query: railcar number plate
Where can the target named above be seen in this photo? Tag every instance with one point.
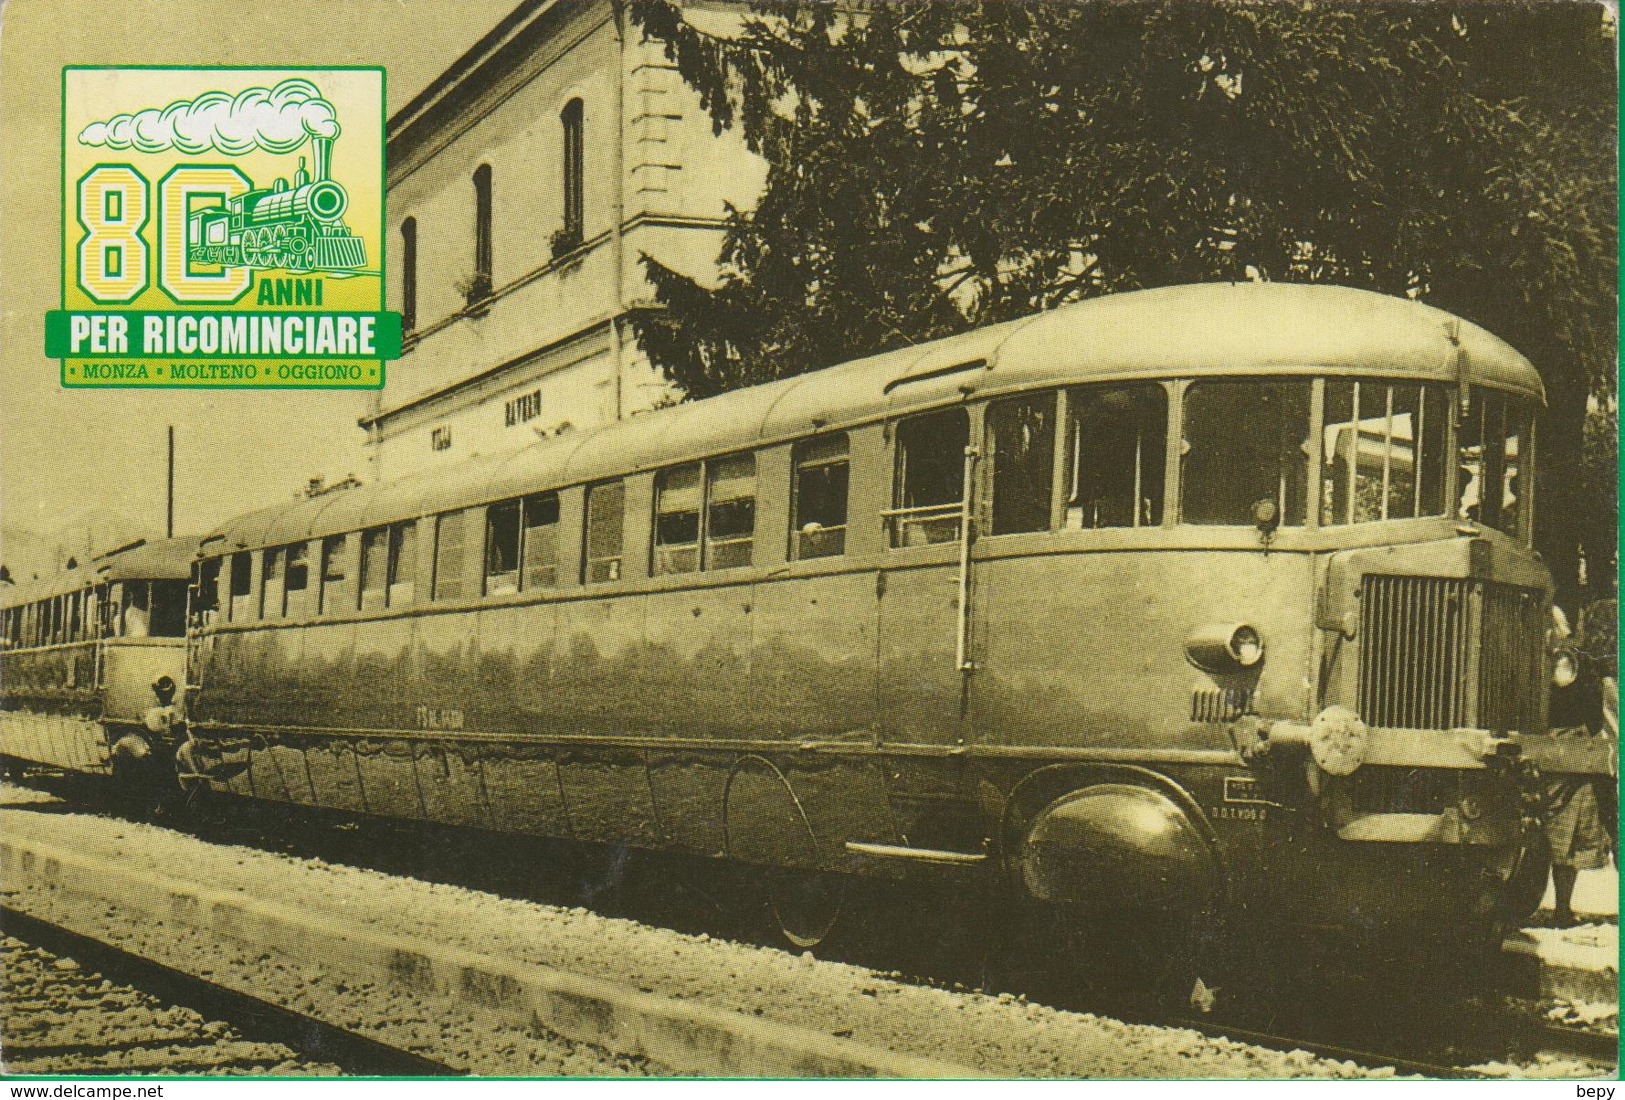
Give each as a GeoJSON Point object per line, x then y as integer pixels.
{"type": "Point", "coordinates": [1242, 801]}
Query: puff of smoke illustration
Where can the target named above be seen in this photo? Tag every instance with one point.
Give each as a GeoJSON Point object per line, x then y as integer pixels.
{"type": "Point", "coordinates": [278, 120]}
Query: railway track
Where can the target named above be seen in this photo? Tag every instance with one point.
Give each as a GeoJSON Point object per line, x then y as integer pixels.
{"type": "Point", "coordinates": [1525, 1039]}
{"type": "Point", "coordinates": [263, 1035]}
{"type": "Point", "coordinates": [75, 1008]}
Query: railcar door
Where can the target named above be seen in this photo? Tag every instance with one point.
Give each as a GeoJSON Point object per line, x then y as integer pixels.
{"type": "Point", "coordinates": [925, 657]}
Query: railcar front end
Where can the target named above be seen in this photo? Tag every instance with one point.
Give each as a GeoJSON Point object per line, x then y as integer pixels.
{"type": "Point", "coordinates": [79, 655]}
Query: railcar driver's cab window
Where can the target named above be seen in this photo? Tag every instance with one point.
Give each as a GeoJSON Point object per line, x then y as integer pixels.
{"type": "Point", "coordinates": [1246, 443]}
{"type": "Point", "coordinates": [1382, 451]}
{"type": "Point", "coordinates": [1492, 445]}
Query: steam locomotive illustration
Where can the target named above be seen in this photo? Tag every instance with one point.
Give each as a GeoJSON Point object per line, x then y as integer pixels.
{"type": "Point", "coordinates": [295, 228]}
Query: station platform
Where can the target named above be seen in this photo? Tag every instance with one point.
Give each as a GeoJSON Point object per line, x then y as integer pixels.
{"type": "Point", "coordinates": [1581, 963]}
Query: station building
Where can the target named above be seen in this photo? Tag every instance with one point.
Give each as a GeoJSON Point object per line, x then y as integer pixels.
{"type": "Point", "coordinates": [524, 183]}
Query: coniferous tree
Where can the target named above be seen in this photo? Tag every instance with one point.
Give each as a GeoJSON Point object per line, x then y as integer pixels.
{"type": "Point", "coordinates": [935, 166]}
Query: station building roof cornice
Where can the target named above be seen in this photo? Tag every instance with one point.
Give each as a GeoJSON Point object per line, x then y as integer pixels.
{"type": "Point", "coordinates": [1207, 330]}
{"type": "Point", "coordinates": [513, 26]}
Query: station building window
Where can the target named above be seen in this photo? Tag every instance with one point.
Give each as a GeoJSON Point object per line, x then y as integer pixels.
{"type": "Point", "coordinates": [332, 597]}
{"type": "Point", "coordinates": [409, 274]}
{"type": "Point", "coordinates": [502, 535]}
{"type": "Point", "coordinates": [605, 532]}
{"type": "Point", "coordinates": [573, 123]}
{"type": "Point", "coordinates": [930, 480]}
{"type": "Point", "coordinates": [541, 541]}
{"type": "Point", "coordinates": [479, 287]}
{"type": "Point", "coordinates": [1117, 440]}
{"type": "Point", "coordinates": [1022, 431]}
{"type": "Point", "coordinates": [1382, 451]}
{"type": "Point", "coordinates": [1245, 443]}
{"type": "Point", "coordinates": [242, 586]}
{"type": "Point", "coordinates": [450, 553]}
{"type": "Point", "coordinates": [818, 497]}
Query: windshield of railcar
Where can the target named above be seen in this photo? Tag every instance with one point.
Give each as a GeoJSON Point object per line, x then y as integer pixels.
{"type": "Point", "coordinates": [1383, 452]}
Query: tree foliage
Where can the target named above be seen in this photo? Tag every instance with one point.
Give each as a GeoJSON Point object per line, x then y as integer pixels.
{"type": "Point", "coordinates": [936, 166]}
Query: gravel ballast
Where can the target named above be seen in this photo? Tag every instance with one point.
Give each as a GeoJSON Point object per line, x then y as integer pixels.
{"type": "Point", "coordinates": [997, 1035]}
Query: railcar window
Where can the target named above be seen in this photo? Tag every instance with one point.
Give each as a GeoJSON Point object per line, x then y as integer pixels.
{"type": "Point", "coordinates": [450, 550]}
{"type": "Point", "coordinates": [541, 541]}
{"type": "Point", "coordinates": [1245, 443]}
{"type": "Point", "coordinates": [271, 585]}
{"type": "Point", "coordinates": [374, 568]}
{"type": "Point", "coordinates": [1023, 440]}
{"type": "Point", "coordinates": [930, 484]}
{"type": "Point", "coordinates": [205, 591]}
{"type": "Point", "coordinates": [296, 580]}
{"type": "Point", "coordinates": [502, 533]}
{"type": "Point", "coordinates": [137, 613]}
{"type": "Point", "coordinates": [677, 520]}
{"type": "Point", "coordinates": [331, 596]}
{"type": "Point", "coordinates": [76, 622]}
{"type": "Point", "coordinates": [403, 563]}
{"type": "Point", "coordinates": [1492, 443]}
{"type": "Point", "coordinates": [1117, 438]}
{"type": "Point", "coordinates": [1383, 451]}
{"type": "Point", "coordinates": [242, 577]}
{"type": "Point", "coordinates": [818, 498]}
{"type": "Point", "coordinates": [606, 507]}
{"type": "Point", "coordinates": [167, 609]}
{"type": "Point", "coordinates": [730, 511]}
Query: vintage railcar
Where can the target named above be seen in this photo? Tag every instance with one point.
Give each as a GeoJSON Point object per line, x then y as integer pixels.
{"type": "Point", "coordinates": [1207, 599]}
{"type": "Point", "coordinates": [80, 652]}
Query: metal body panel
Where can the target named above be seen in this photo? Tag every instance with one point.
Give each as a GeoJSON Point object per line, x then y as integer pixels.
{"type": "Point", "coordinates": [812, 673]}
{"type": "Point", "coordinates": [56, 740]}
{"type": "Point", "coordinates": [920, 689]}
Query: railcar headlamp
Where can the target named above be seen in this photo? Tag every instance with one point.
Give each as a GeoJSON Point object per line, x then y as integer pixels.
{"type": "Point", "coordinates": [1224, 647]}
{"type": "Point", "coordinates": [1565, 668]}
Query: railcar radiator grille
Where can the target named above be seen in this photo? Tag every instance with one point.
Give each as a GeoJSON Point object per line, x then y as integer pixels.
{"type": "Point", "coordinates": [1442, 652]}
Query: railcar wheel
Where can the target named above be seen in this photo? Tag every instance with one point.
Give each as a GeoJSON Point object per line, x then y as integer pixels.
{"type": "Point", "coordinates": [16, 770]}
{"type": "Point", "coordinates": [806, 905]}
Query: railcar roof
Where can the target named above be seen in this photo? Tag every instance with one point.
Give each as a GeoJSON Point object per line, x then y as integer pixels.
{"type": "Point", "coordinates": [1201, 330]}
{"type": "Point", "coordinates": [163, 560]}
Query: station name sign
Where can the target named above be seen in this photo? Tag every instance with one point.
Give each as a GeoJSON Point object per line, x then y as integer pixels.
{"type": "Point", "coordinates": [216, 230]}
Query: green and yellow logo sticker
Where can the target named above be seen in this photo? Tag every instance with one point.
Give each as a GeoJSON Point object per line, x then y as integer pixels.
{"type": "Point", "coordinates": [223, 228]}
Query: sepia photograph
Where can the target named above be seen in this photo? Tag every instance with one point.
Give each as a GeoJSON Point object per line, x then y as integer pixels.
{"type": "Point", "coordinates": [774, 539]}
